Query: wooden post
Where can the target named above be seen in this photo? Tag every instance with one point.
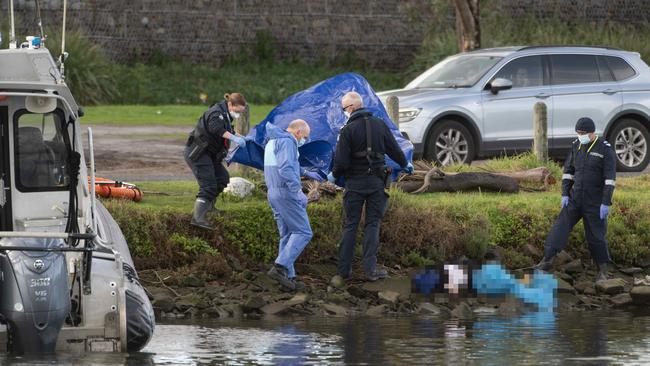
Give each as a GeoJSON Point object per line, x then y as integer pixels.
{"type": "Point", "coordinates": [242, 127]}
{"type": "Point", "coordinates": [540, 128]}
{"type": "Point", "coordinates": [392, 107]}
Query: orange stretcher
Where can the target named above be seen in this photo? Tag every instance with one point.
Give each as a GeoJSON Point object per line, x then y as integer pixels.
{"type": "Point", "coordinates": [108, 188]}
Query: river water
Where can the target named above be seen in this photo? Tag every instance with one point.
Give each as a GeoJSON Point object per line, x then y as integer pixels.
{"type": "Point", "coordinates": [576, 338]}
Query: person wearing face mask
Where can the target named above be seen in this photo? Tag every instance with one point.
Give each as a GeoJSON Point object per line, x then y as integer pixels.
{"type": "Point", "coordinates": [587, 188]}
{"type": "Point", "coordinates": [205, 150]}
{"type": "Point", "coordinates": [282, 174]}
{"type": "Point", "coordinates": [359, 157]}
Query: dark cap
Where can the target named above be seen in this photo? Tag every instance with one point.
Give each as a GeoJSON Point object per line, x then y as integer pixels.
{"type": "Point", "coordinates": [586, 124]}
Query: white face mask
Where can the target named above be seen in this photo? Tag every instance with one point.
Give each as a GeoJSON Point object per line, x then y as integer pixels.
{"type": "Point", "coordinates": [234, 115]}
{"type": "Point", "coordinates": [301, 141]}
{"type": "Point", "coordinates": [347, 114]}
{"type": "Point", "coordinates": [584, 139]}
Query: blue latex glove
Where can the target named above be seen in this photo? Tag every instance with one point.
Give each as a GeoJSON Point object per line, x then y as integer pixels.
{"type": "Point", "coordinates": [302, 198]}
{"type": "Point", "coordinates": [330, 178]}
{"type": "Point", "coordinates": [238, 140]}
{"type": "Point", "coordinates": [313, 175]}
{"type": "Point", "coordinates": [604, 211]}
{"type": "Point", "coordinates": [409, 169]}
{"type": "Point", "coordinates": [565, 201]}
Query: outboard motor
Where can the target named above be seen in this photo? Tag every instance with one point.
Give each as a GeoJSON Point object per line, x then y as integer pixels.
{"type": "Point", "coordinates": [35, 299]}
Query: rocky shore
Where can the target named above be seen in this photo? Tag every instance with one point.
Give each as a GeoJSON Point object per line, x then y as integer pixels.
{"type": "Point", "coordinates": [252, 294]}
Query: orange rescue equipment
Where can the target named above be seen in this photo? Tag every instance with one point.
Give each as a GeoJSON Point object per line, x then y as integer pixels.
{"type": "Point", "coordinates": [109, 188]}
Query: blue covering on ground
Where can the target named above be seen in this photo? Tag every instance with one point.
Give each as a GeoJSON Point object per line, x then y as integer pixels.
{"type": "Point", "coordinates": [320, 106]}
{"type": "Point", "coordinates": [492, 279]}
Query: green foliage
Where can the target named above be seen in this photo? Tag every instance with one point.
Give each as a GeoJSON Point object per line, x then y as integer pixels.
{"type": "Point", "coordinates": [193, 244]}
{"type": "Point", "coordinates": [87, 69]}
{"type": "Point", "coordinates": [264, 49]}
{"type": "Point", "coordinates": [415, 259]}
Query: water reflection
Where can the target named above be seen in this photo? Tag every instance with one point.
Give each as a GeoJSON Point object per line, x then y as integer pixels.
{"type": "Point", "coordinates": [593, 338]}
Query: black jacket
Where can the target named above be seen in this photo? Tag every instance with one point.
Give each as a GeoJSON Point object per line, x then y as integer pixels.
{"type": "Point", "coordinates": [590, 173]}
{"type": "Point", "coordinates": [352, 139]}
{"type": "Point", "coordinates": [213, 124]}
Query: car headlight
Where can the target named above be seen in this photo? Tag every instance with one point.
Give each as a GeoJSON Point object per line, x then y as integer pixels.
{"type": "Point", "coordinates": [408, 114]}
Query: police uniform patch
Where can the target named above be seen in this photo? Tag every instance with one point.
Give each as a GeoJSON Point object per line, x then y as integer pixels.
{"type": "Point", "coordinates": [596, 154]}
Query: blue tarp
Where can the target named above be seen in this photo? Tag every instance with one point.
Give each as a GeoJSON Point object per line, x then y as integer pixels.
{"type": "Point", "coordinates": [320, 106]}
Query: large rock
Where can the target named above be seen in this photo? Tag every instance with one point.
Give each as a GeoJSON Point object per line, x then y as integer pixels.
{"type": "Point", "coordinates": [389, 297]}
{"type": "Point", "coordinates": [586, 287]}
{"type": "Point", "coordinates": [336, 310]}
{"type": "Point", "coordinates": [239, 187]}
{"type": "Point", "coordinates": [611, 286]}
{"type": "Point", "coordinates": [462, 311]}
{"type": "Point", "coordinates": [428, 308]}
{"type": "Point", "coordinates": [401, 285]}
{"type": "Point", "coordinates": [164, 304]}
{"type": "Point", "coordinates": [377, 310]}
{"type": "Point", "coordinates": [562, 258]}
{"type": "Point", "coordinates": [217, 312]}
{"type": "Point", "coordinates": [573, 267]}
{"type": "Point", "coordinates": [253, 303]}
{"type": "Point", "coordinates": [621, 300]}
{"type": "Point", "coordinates": [192, 281]}
{"type": "Point", "coordinates": [191, 301]}
{"type": "Point", "coordinates": [641, 294]}
{"type": "Point", "coordinates": [564, 287]}
{"type": "Point", "coordinates": [511, 307]}
{"type": "Point", "coordinates": [631, 270]}
{"type": "Point", "coordinates": [337, 282]}
{"type": "Point", "coordinates": [298, 299]}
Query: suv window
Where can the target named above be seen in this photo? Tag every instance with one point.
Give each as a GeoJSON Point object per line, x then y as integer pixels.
{"type": "Point", "coordinates": [574, 69]}
{"type": "Point", "coordinates": [604, 70]}
{"type": "Point", "coordinates": [620, 68]}
{"type": "Point", "coordinates": [523, 72]}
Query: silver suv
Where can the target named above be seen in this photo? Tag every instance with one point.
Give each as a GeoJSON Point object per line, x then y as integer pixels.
{"type": "Point", "coordinates": [481, 103]}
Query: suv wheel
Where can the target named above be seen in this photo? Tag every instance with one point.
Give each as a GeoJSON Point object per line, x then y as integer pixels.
{"type": "Point", "coordinates": [450, 143]}
{"type": "Point", "coordinates": [630, 139]}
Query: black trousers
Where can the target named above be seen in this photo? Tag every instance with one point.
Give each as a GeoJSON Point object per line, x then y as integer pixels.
{"type": "Point", "coordinates": [595, 230]}
{"type": "Point", "coordinates": [211, 175]}
{"type": "Point", "coordinates": [360, 191]}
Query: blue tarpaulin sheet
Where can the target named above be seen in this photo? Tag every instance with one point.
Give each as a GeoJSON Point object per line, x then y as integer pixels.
{"type": "Point", "coordinates": [320, 106]}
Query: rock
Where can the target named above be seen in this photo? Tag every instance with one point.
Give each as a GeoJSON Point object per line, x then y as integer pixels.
{"type": "Point", "coordinates": [567, 301]}
{"type": "Point", "coordinates": [335, 310]}
{"type": "Point", "coordinates": [532, 251]}
{"type": "Point", "coordinates": [611, 287]}
{"type": "Point", "coordinates": [265, 282]}
{"type": "Point", "coordinates": [234, 310]}
{"type": "Point", "coordinates": [632, 270]}
{"type": "Point", "coordinates": [641, 294]}
{"type": "Point", "coordinates": [462, 311]}
{"type": "Point", "coordinates": [337, 282]}
{"type": "Point", "coordinates": [274, 308]}
{"type": "Point", "coordinates": [239, 187]}
{"type": "Point", "coordinates": [485, 310]}
{"type": "Point", "coordinates": [564, 276]}
{"type": "Point", "coordinates": [428, 308]}
{"type": "Point", "coordinates": [234, 263]}
{"type": "Point", "coordinates": [401, 285]}
{"type": "Point", "coordinates": [191, 301]}
{"type": "Point", "coordinates": [564, 287]}
{"type": "Point", "coordinates": [298, 299]}
{"type": "Point", "coordinates": [164, 304]}
{"type": "Point", "coordinates": [336, 298]}
{"type": "Point", "coordinates": [585, 287]}
{"type": "Point", "coordinates": [643, 262]}
{"type": "Point", "coordinates": [253, 303]}
{"type": "Point", "coordinates": [377, 310]}
{"type": "Point", "coordinates": [621, 300]}
{"type": "Point", "coordinates": [193, 281]}
{"type": "Point", "coordinates": [573, 267]}
{"type": "Point", "coordinates": [358, 291]}
{"type": "Point", "coordinates": [511, 307]}
{"type": "Point", "coordinates": [390, 297]}
{"type": "Point", "coordinates": [562, 258]}
{"type": "Point", "coordinates": [158, 293]}
{"type": "Point", "coordinates": [217, 312]}
{"type": "Point", "coordinates": [644, 281]}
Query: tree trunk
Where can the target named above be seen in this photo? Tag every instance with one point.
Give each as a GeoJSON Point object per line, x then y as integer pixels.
{"type": "Point", "coordinates": [463, 182]}
{"type": "Point", "coordinates": [468, 24]}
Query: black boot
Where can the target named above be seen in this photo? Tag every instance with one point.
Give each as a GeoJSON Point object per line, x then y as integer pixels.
{"type": "Point", "coordinates": [545, 264]}
{"type": "Point", "coordinates": [279, 273]}
{"type": "Point", "coordinates": [201, 209]}
{"type": "Point", "coordinates": [602, 272]}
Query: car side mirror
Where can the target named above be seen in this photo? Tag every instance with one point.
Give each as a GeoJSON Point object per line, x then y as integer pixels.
{"type": "Point", "coordinates": [499, 84]}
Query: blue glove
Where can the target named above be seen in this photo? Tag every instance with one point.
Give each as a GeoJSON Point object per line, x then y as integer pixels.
{"type": "Point", "coordinates": [313, 175]}
{"type": "Point", "coordinates": [238, 140]}
{"type": "Point", "coordinates": [604, 211]}
{"type": "Point", "coordinates": [409, 169]}
{"type": "Point", "coordinates": [330, 178]}
{"type": "Point", "coordinates": [565, 201]}
{"type": "Point", "coordinates": [302, 198]}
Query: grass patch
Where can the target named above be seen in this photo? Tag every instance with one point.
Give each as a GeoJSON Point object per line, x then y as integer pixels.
{"type": "Point", "coordinates": [417, 229]}
{"type": "Point", "coordinates": [173, 115]}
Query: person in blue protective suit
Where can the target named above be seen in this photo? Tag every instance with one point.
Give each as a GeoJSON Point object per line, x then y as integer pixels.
{"type": "Point", "coordinates": [205, 150]}
{"type": "Point", "coordinates": [282, 174]}
{"type": "Point", "coordinates": [587, 188]}
{"type": "Point", "coordinates": [359, 157]}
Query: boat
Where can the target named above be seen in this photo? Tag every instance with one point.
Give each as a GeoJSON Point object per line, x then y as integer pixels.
{"type": "Point", "coordinates": [67, 279]}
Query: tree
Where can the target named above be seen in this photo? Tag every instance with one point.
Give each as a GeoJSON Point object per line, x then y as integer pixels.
{"type": "Point", "coordinates": [467, 24]}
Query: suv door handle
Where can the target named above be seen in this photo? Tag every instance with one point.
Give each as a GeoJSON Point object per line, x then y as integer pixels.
{"type": "Point", "coordinates": [542, 96]}
{"type": "Point", "coordinates": [610, 91]}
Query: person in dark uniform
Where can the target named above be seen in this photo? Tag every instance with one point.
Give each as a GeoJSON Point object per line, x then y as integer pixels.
{"type": "Point", "coordinates": [205, 150]}
{"type": "Point", "coordinates": [365, 174]}
{"type": "Point", "coordinates": [587, 187]}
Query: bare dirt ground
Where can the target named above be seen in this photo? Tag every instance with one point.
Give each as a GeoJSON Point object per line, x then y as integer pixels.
{"type": "Point", "coordinates": [137, 153]}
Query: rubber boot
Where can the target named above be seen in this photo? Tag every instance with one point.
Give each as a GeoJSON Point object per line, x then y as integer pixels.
{"type": "Point", "coordinates": [201, 209]}
{"type": "Point", "coordinates": [602, 272]}
{"type": "Point", "coordinates": [213, 208]}
{"type": "Point", "coordinates": [545, 264]}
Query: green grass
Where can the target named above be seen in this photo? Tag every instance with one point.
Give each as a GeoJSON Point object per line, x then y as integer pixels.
{"type": "Point", "coordinates": [133, 115]}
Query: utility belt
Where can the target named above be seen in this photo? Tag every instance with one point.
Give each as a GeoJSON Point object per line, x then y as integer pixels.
{"type": "Point", "coordinates": [382, 172]}
{"type": "Point", "coordinates": [199, 144]}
